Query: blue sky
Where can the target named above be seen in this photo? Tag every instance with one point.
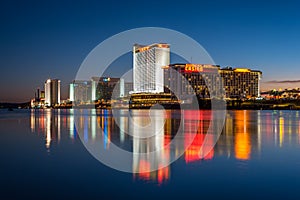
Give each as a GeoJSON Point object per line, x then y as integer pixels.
{"type": "Point", "coordinates": [41, 39]}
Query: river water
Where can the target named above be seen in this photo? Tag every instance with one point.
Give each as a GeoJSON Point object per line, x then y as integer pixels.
{"type": "Point", "coordinates": [53, 154]}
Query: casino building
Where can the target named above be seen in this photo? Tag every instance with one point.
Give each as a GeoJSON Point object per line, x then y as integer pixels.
{"type": "Point", "coordinates": [208, 81]}
{"type": "Point", "coordinates": [192, 79]}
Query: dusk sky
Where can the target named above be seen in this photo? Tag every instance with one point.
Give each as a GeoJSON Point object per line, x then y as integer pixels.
{"type": "Point", "coordinates": [50, 39]}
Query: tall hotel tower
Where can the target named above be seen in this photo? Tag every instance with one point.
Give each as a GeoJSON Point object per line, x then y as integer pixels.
{"type": "Point", "coordinates": [148, 75]}
{"type": "Point", "coordinates": [52, 92]}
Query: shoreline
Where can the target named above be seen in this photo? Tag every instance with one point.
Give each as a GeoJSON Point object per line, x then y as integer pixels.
{"type": "Point", "coordinates": [202, 105]}
{"type": "Point", "coordinates": [146, 108]}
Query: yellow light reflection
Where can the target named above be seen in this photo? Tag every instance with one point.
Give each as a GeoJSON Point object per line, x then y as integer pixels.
{"type": "Point", "coordinates": [242, 139]}
{"type": "Point", "coordinates": [32, 120]}
{"type": "Point", "coordinates": [281, 131]}
{"type": "Point", "coordinates": [299, 132]}
{"type": "Point", "coordinates": [242, 146]}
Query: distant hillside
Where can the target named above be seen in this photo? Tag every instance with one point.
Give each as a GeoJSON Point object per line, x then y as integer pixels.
{"type": "Point", "coordinates": [15, 105]}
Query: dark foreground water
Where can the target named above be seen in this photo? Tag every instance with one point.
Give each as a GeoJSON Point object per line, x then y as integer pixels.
{"type": "Point", "coordinates": [43, 156]}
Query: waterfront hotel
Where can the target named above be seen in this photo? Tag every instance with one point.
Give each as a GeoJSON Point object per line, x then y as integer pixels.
{"type": "Point", "coordinates": [241, 82]}
{"type": "Point", "coordinates": [147, 67]}
{"type": "Point", "coordinates": [204, 80]}
{"type": "Point", "coordinates": [52, 92]}
{"type": "Point", "coordinates": [98, 88]}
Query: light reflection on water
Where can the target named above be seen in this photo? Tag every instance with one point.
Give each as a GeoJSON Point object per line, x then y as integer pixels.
{"type": "Point", "coordinates": [244, 137]}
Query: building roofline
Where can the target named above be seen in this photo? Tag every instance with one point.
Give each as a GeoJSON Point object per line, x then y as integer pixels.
{"type": "Point", "coordinates": [140, 48]}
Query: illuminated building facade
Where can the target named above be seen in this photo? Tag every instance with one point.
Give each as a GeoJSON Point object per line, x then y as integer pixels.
{"type": "Point", "coordinates": [148, 74]}
{"type": "Point", "coordinates": [128, 87]}
{"type": "Point", "coordinates": [39, 100]}
{"type": "Point", "coordinates": [52, 92]}
{"type": "Point", "coordinates": [241, 82]}
{"type": "Point", "coordinates": [82, 91]}
{"type": "Point", "coordinates": [109, 88]}
{"type": "Point", "coordinates": [42, 95]}
{"type": "Point", "coordinates": [145, 100]}
{"type": "Point", "coordinates": [205, 79]}
{"type": "Point", "coordinates": [98, 88]}
{"type": "Point", "coordinates": [202, 79]}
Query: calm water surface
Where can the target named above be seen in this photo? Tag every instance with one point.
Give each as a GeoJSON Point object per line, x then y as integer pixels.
{"type": "Point", "coordinates": [257, 155]}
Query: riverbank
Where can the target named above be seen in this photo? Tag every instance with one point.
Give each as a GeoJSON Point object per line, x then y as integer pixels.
{"type": "Point", "coordinates": [279, 104]}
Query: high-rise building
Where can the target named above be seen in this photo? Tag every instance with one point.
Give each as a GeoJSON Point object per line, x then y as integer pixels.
{"type": "Point", "coordinates": [108, 88]}
{"type": "Point", "coordinates": [148, 74]}
{"type": "Point", "coordinates": [204, 80]}
{"type": "Point", "coordinates": [82, 91]}
{"type": "Point", "coordinates": [52, 92]}
{"type": "Point", "coordinates": [98, 88]}
{"type": "Point", "coordinates": [241, 82]}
